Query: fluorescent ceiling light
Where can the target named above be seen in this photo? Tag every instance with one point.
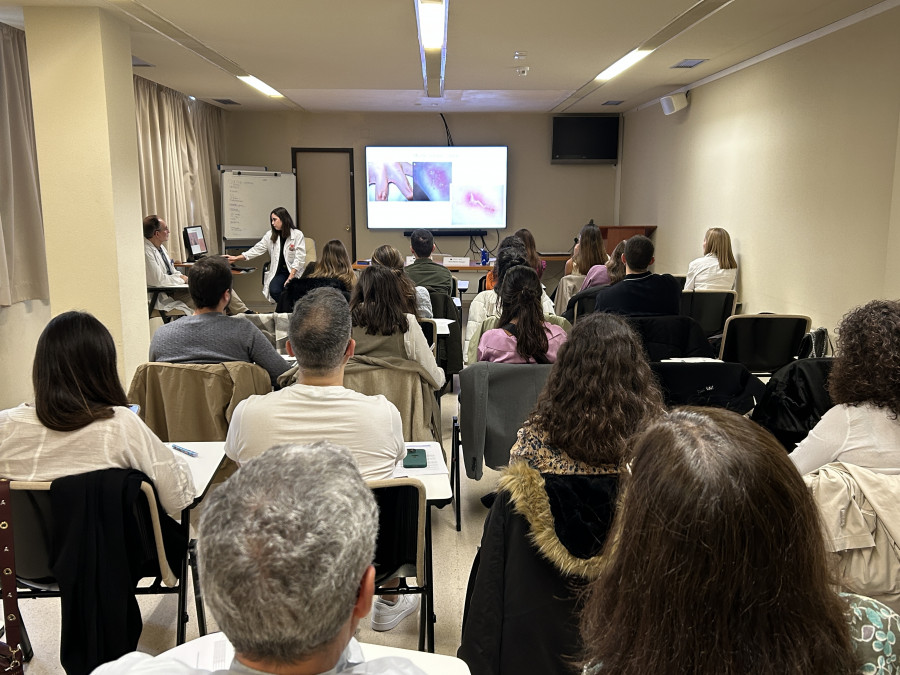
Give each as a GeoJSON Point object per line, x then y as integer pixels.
{"type": "Point", "coordinates": [622, 64]}
{"type": "Point", "coordinates": [260, 85]}
{"type": "Point", "coordinates": [431, 24]}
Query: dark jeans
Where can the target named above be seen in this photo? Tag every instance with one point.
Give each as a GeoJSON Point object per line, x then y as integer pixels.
{"type": "Point", "coordinates": [276, 286]}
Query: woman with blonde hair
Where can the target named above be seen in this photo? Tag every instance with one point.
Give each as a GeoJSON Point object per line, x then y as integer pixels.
{"type": "Point", "coordinates": [589, 251]}
{"type": "Point", "coordinates": [717, 269]}
{"type": "Point", "coordinates": [418, 301]}
{"type": "Point", "coordinates": [715, 564]}
{"type": "Point", "coordinates": [333, 269]}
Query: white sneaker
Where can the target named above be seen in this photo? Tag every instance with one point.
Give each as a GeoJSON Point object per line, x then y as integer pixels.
{"type": "Point", "coordinates": [386, 616]}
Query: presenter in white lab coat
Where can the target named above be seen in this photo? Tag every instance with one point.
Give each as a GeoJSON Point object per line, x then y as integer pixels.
{"type": "Point", "coordinates": [287, 253]}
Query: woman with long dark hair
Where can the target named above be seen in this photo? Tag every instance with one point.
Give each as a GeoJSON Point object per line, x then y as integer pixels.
{"type": "Point", "coordinates": [715, 564]}
{"type": "Point", "coordinates": [80, 421]}
{"type": "Point", "coordinates": [543, 536]}
{"type": "Point", "coordinates": [589, 251]}
{"type": "Point", "coordinates": [863, 428]}
{"type": "Point", "coordinates": [287, 253]}
{"type": "Point", "coordinates": [418, 299]}
{"type": "Point", "coordinates": [383, 327]}
{"type": "Point", "coordinates": [523, 336]}
{"type": "Point", "coordinates": [531, 254]}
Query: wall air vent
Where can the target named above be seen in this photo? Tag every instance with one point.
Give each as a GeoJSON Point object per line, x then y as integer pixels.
{"type": "Point", "coordinates": [225, 101]}
{"type": "Point", "coordinates": [612, 103]}
{"type": "Point", "coordinates": [689, 63]}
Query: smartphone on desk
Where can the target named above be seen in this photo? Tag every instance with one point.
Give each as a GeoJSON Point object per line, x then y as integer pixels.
{"type": "Point", "coordinates": [415, 459]}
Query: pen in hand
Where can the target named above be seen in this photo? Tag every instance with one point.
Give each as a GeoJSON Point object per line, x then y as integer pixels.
{"type": "Point", "coordinates": [189, 453]}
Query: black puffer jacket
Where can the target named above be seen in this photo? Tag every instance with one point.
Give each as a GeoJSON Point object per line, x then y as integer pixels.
{"type": "Point", "coordinates": [541, 545]}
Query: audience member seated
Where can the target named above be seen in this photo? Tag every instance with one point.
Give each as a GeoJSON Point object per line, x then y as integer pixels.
{"type": "Point", "coordinates": [641, 293]}
{"type": "Point", "coordinates": [715, 564]}
{"type": "Point", "coordinates": [543, 535]}
{"type": "Point", "coordinates": [863, 427]}
{"type": "Point", "coordinates": [383, 326]}
{"type": "Point", "coordinates": [80, 420]}
{"type": "Point", "coordinates": [523, 335]}
{"type": "Point", "coordinates": [531, 254]}
{"type": "Point", "coordinates": [487, 303]}
{"type": "Point", "coordinates": [285, 552]}
{"type": "Point", "coordinates": [209, 336]}
{"type": "Point", "coordinates": [589, 251]}
{"type": "Point", "coordinates": [491, 279]}
{"type": "Point", "coordinates": [417, 297]}
{"type": "Point", "coordinates": [318, 406]}
{"type": "Point", "coordinates": [424, 271]}
{"type": "Point", "coordinates": [286, 247]}
{"type": "Point", "coordinates": [160, 271]}
{"type": "Point", "coordinates": [333, 269]}
{"type": "Point", "coordinates": [606, 275]}
{"type": "Point", "coordinates": [717, 269]}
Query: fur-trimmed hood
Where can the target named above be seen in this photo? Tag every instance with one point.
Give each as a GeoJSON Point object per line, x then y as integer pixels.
{"type": "Point", "coordinates": [569, 515]}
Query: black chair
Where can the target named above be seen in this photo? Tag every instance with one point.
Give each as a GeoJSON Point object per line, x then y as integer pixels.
{"type": "Point", "coordinates": [670, 337]}
{"type": "Point", "coordinates": [449, 356]}
{"type": "Point", "coordinates": [795, 399]}
{"type": "Point", "coordinates": [710, 309]}
{"type": "Point", "coordinates": [37, 537]}
{"type": "Point", "coordinates": [763, 342]}
{"type": "Point", "coordinates": [709, 383]}
{"type": "Point", "coordinates": [583, 302]}
{"type": "Point", "coordinates": [482, 282]}
{"type": "Point", "coordinates": [403, 548]}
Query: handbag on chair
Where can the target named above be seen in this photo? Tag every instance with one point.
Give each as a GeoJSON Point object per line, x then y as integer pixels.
{"type": "Point", "coordinates": [11, 653]}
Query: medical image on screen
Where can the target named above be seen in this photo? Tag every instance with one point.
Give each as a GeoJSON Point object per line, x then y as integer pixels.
{"type": "Point", "coordinates": [477, 204]}
{"type": "Point", "coordinates": [431, 181]}
{"type": "Point", "coordinates": [389, 181]}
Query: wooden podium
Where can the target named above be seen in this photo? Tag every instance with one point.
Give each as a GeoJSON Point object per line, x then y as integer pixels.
{"type": "Point", "coordinates": [613, 235]}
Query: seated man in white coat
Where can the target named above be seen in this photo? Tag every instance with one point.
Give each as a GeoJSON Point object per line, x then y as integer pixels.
{"type": "Point", "coordinates": [318, 406]}
{"type": "Point", "coordinates": [285, 550]}
{"type": "Point", "coordinates": [161, 271]}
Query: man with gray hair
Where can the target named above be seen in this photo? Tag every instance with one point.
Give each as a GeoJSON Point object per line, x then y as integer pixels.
{"type": "Point", "coordinates": [285, 549]}
{"type": "Point", "coordinates": [318, 406]}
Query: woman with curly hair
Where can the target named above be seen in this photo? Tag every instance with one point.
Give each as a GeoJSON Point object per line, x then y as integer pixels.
{"type": "Point", "coordinates": [522, 336]}
{"type": "Point", "coordinates": [715, 564]}
{"type": "Point", "coordinates": [555, 502]}
{"type": "Point", "coordinates": [863, 427]}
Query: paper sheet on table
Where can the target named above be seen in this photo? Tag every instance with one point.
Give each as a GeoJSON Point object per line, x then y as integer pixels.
{"type": "Point", "coordinates": [692, 359]}
{"type": "Point", "coordinates": [434, 456]}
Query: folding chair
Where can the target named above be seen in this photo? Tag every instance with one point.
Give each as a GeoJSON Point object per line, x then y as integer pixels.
{"type": "Point", "coordinates": [763, 342]}
{"type": "Point", "coordinates": [403, 548]}
{"type": "Point", "coordinates": [710, 309]}
{"type": "Point", "coordinates": [34, 531]}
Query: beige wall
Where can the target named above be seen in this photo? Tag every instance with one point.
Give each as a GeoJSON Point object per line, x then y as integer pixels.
{"type": "Point", "coordinates": [797, 157]}
{"type": "Point", "coordinates": [553, 201]}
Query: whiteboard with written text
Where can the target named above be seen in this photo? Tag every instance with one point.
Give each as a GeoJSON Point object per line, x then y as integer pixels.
{"type": "Point", "coordinates": [248, 198]}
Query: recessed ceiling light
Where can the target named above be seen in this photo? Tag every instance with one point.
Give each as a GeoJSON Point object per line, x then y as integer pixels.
{"type": "Point", "coordinates": [259, 85]}
{"type": "Point", "coordinates": [622, 64]}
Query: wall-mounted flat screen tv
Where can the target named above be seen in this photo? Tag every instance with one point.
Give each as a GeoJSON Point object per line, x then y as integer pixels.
{"type": "Point", "coordinates": [436, 188]}
{"type": "Point", "coordinates": [585, 139]}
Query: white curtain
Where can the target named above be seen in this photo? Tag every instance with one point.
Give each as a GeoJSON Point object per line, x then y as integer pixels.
{"type": "Point", "coordinates": [23, 263]}
{"type": "Point", "coordinates": [179, 145]}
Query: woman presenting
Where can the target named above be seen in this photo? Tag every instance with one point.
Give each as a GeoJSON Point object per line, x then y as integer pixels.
{"type": "Point", "coordinates": [287, 253]}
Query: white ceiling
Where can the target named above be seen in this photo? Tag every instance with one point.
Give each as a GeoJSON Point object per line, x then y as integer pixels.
{"type": "Point", "coordinates": [363, 55]}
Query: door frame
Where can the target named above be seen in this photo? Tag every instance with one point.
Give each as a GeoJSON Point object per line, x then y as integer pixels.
{"type": "Point", "coordinates": [349, 153]}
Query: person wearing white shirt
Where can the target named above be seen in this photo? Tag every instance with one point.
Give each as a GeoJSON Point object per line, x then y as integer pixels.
{"type": "Point", "coordinates": [286, 247]}
{"type": "Point", "coordinates": [717, 269]}
{"type": "Point", "coordinates": [285, 552]}
{"type": "Point", "coordinates": [318, 406]}
{"type": "Point", "coordinates": [864, 426]}
{"type": "Point", "coordinates": [80, 421]}
{"type": "Point", "coordinates": [160, 271]}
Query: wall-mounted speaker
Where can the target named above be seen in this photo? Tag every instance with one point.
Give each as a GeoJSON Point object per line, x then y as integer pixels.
{"type": "Point", "coordinates": [673, 103]}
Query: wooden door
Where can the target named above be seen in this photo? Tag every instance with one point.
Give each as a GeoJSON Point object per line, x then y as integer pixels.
{"type": "Point", "coordinates": [325, 207]}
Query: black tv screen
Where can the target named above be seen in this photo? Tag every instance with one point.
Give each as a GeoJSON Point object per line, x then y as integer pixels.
{"type": "Point", "coordinates": [585, 139]}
